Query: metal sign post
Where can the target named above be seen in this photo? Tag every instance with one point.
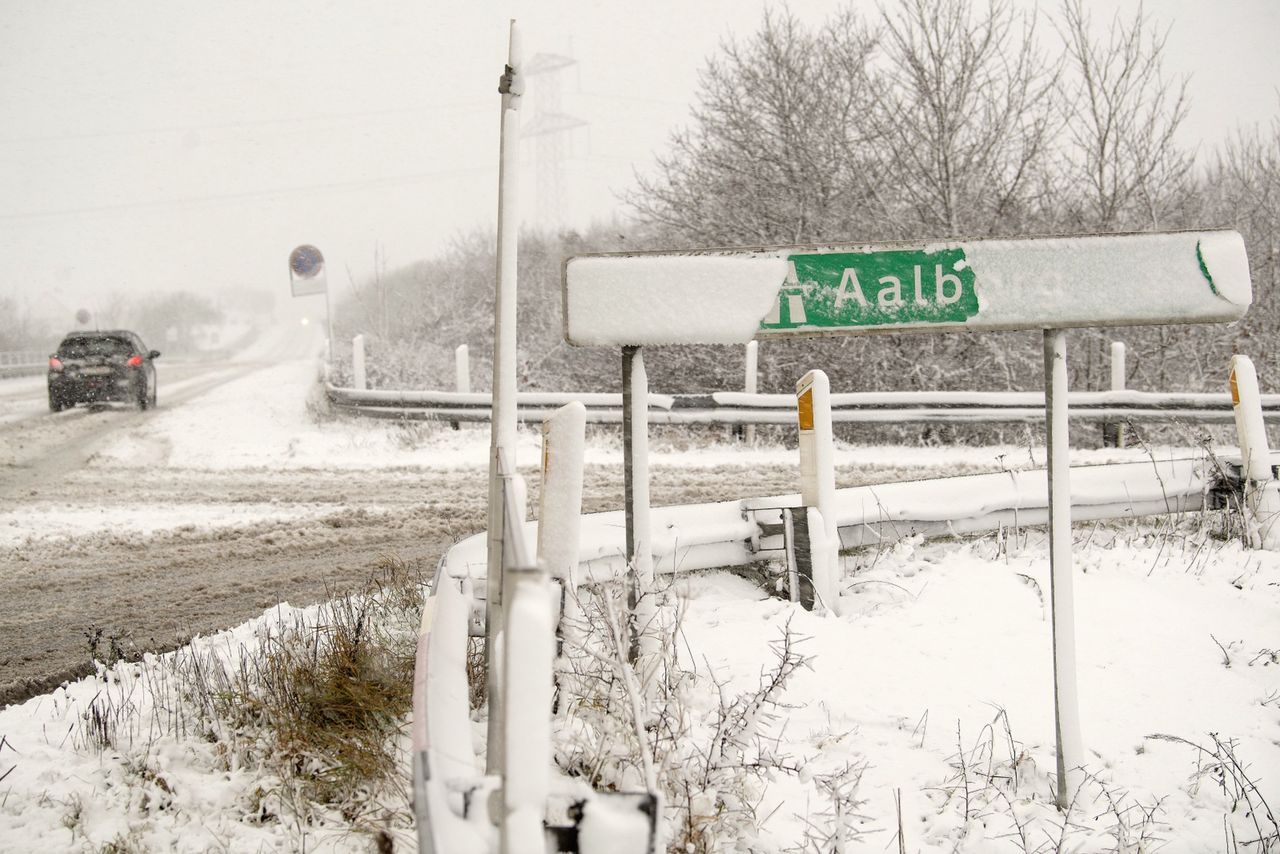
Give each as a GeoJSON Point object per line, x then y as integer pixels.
{"type": "Point", "coordinates": [635, 472]}
{"type": "Point", "coordinates": [1066, 707]}
{"type": "Point", "coordinates": [307, 278]}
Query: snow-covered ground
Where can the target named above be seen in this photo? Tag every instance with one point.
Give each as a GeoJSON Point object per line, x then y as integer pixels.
{"type": "Point", "coordinates": [943, 650]}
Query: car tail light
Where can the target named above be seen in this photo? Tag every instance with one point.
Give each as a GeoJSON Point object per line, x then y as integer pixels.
{"type": "Point", "coordinates": [135, 361]}
{"type": "Point", "coordinates": [54, 364]}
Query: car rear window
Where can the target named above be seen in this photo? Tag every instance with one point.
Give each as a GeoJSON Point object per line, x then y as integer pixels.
{"type": "Point", "coordinates": [81, 347]}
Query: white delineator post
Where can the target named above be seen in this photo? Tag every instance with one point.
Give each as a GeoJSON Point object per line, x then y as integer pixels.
{"type": "Point", "coordinates": [461, 374]}
{"type": "Point", "coordinates": [462, 369]}
{"type": "Point", "coordinates": [560, 502]}
{"type": "Point", "coordinates": [503, 425]}
{"type": "Point", "coordinates": [1262, 491]}
{"type": "Point", "coordinates": [1062, 599]}
{"type": "Point", "coordinates": [358, 377]}
{"type": "Point", "coordinates": [635, 470]}
{"type": "Point", "coordinates": [818, 484]}
{"type": "Point", "coordinates": [528, 654]}
{"type": "Point", "coordinates": [751, 383]}
{"type": "Point", "coordinates": [1116, 437]}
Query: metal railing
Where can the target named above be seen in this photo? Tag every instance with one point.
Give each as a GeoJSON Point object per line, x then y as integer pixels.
{"type": "Point", "coordinates": [17, 363]}
{"type": "Point", "coordinates": [865, 407]}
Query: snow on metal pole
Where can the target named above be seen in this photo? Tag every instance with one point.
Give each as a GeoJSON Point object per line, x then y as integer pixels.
{"type": "Point", "coordinates": [818, 483]}
{"type": "Point", "coordinates": [635, 452]}
{"type": "Point", "coordinates": [560, 507]}
{"type": "Point", "coordinates": [1262, 491]}
{"type": "Point", "coordinates": [752, 383]}
{"type": "Point", "coordinates": [1062, 602]}
{"type": "Point", "coordinates": [503, 424]}
{"type": "Point", "coordinates": [358, 377]}
{"type": "Point", "coordinates": [1113, 434]}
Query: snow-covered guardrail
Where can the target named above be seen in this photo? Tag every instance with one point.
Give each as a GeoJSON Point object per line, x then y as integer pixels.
{"type": "Point", "coordinates": [16, 363]}
{"type": "Point", "coordinates": [866, 407]}
{"type": "Point", "coordinates": [748, 531]}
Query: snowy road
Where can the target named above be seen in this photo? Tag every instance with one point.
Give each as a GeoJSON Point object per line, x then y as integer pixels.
{"type": "Point", "coordinates": [238, 492]}
{"type": "Point", "coordinates": [230, 497]}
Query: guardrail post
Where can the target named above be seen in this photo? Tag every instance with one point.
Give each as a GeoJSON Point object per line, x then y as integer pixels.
{"type": "Point", "coordinates": [818, 484]}
{"type": "Point", "coordinates": [358, 377]}
{"type": "Point", "coordinates": [1113, 432]}
{"type": "Point", "coordinates": [635, 470]}
{"type": "Point", "coordinates": [1262, 492]}
{"type": "Point", "coordinates": [1061, 597]}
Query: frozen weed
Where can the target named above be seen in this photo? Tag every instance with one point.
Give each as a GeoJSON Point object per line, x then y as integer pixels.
{"type": "Point", "coordinates": [660, 725]}
{"type": "Point", "coordinates": [1250, 823]}
{"type": "Point", "coordinates": [997, 791]}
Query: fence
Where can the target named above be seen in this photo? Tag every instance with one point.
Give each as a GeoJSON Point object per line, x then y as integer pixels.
{"type": "Point", "coordinates": [18, 363]}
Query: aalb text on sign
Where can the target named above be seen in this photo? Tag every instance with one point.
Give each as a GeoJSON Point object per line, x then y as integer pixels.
{"type": "Point", "coordinates": [890, 288]}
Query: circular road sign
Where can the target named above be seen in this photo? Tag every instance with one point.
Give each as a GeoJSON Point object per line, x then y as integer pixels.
{"type": "Point", "coordinates": [82, 316]}
{"type": "Point", "coordinates": [306, 261]}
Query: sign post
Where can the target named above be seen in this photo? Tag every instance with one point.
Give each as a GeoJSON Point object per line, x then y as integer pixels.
{"type": "Point", "coordinates": [307, 278]}
{"type": "Point", "coordinates": [1066, 707]}
{"type": "Point", "coordinates": [733, 296]}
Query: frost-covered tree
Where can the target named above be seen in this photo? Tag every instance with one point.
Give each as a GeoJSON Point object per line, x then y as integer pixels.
{"type": "Point", "coordinates": [1123, 166]}
{"type": "Point", "coordinates": [963, 117]}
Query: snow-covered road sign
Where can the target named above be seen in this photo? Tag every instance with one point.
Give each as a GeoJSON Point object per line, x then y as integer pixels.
{"type": "Point", "coordinates": [735, 295]}
{"type": "Point", "coordinates": [306, 271]}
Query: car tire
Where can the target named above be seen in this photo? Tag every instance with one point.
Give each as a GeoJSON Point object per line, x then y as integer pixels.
{"type": "Point", "coordinates": [56, 403]}
{"type": "Point", "coordinates": [143, 402]}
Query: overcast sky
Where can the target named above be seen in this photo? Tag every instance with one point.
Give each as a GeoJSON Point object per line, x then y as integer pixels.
{"type": "Point", "coordinates": [155, 145]}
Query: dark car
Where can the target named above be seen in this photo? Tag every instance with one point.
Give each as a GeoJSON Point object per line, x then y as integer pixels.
{"type": "Point", "coordinates": [92, 367]}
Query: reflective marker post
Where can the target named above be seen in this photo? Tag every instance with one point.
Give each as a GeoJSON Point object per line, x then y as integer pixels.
{"type": "Point", "coordinates": [818, 484]}
{"type": "Point", "coordinates": [1262, 492]}
{"type": "Point", "coordinates": [359, 378]}
{"type": "Point", "coordinates": [1066, 706]}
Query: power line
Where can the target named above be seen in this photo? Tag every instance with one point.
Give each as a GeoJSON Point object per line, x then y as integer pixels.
{"type": "Point", "coordinates": [456, 107]}
{"type": "Point", "coordinates": [339, 186]}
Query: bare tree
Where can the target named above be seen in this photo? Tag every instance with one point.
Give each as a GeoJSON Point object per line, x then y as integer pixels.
{"type": "Point", "coordinates": [963, 106]}
{"type": "Point", "coordinates": [1123, 163]}
{"type": "Point", "coordinates": [775, 149]}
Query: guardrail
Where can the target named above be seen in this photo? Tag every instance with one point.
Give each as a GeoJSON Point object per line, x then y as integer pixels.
{"type": "Point", "coordinates": [865, 407]}
{"type": "Point", "coordinates": [17, 363]}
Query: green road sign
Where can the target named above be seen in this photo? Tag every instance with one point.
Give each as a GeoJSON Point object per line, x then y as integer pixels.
{"type": "Point", "coordinates": [843, 290]}
{"type": "Point", "coordinates": [723, 296]}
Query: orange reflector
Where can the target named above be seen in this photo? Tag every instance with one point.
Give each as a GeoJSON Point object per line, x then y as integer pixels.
{"type": "Point", "coordinates": [1235, 390]}
{"type": "Point", "coordinates": [805, 404]}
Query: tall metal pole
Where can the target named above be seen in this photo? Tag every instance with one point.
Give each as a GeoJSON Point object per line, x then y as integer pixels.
{"type": "Point", "coordinates": [502, 441]}
{"type": "Point", "coordinates": [1062, 600]}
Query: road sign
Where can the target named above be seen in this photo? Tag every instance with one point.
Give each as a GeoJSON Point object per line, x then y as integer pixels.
{"type": "Point", "coordinates": [735, 295]}
{"type": "Point", "coordinates": [306, 271]}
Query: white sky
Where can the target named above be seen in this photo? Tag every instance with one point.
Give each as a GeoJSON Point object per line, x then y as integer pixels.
{"type": "Point", "coordinates": [155, 145]}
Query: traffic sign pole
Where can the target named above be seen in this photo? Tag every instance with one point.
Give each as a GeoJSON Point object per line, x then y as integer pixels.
{"type": "Point", "coordinates": [1061, 597]}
